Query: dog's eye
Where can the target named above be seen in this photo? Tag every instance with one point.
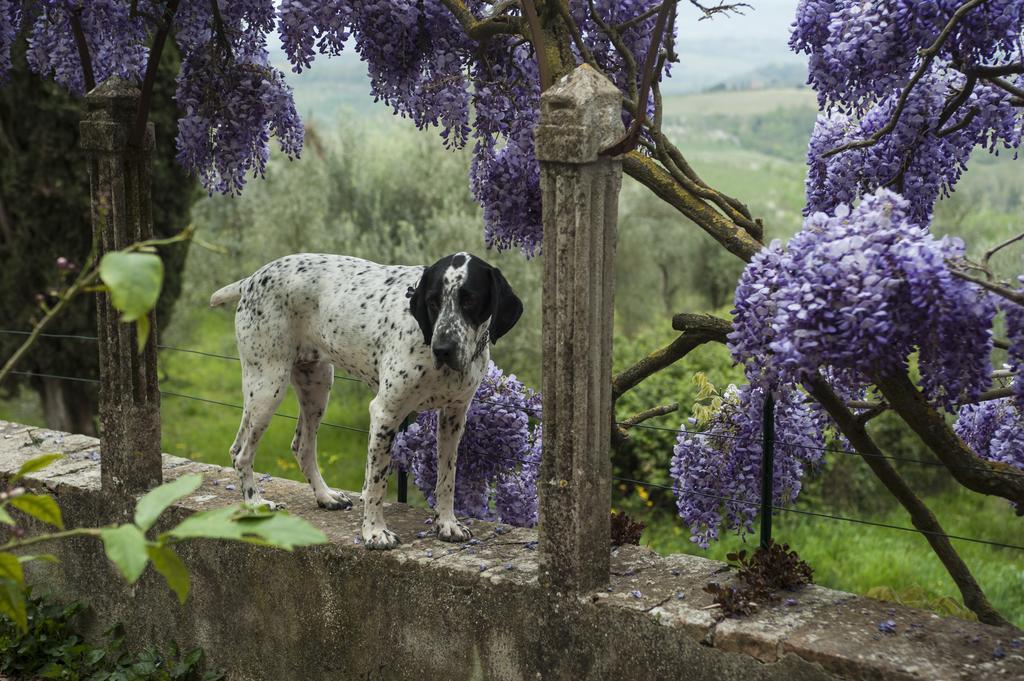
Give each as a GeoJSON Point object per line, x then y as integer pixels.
{"type": "Point", "coordinates": [468, 300]}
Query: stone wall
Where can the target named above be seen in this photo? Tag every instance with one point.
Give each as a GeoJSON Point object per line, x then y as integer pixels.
{"type": "Point", "coordinates": [431, 610]}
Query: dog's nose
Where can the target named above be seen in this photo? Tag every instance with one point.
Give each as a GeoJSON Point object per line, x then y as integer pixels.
{"type": "Point", "coordinates": [444, 353]}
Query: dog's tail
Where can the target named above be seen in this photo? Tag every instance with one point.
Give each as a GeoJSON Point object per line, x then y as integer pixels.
{"type": "Point", "coordinates": [229, 294]}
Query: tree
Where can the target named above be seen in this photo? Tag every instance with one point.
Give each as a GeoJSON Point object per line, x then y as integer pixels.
{"type": "Point", "coordinates": [910, 90]}
{"type": "Point", "coordinates": [44, 216]}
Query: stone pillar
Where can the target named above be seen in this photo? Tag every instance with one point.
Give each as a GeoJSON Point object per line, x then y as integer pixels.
{"type": "Point", "coordinates": [580, 116]}
{"type": "Point", "coordinates": [121, 215]}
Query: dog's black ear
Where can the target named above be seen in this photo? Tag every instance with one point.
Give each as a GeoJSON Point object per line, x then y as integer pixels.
{"type": "Point", "coordinates": [506, 308]}
{"type": "Point", "coordinates": [418, 304]}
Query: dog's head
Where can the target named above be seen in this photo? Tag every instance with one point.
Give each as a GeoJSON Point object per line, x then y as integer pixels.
{"type": "Point", "coordinates": [460, 302]}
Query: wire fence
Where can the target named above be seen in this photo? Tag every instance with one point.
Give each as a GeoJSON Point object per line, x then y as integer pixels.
{"type": "Point", "coordinates": [764, 504]}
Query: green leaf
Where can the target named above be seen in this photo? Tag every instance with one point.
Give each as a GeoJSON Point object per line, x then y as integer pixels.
{"type": "Point", "coordinates": [141, 333]}
{"type": "Point", "coordinates": [41, 507]}
{"type": "Point", "coordinates": [5, 517]}
{"type": "Point", "coordinates": [52, 670]}
{"type": "Point", "coordinates": [134, 281]}
{"type": "Point", "coordinates": [281, 530]}
{"type": "Point", "coordinates": [167, 563]}
{"type": "Point", "coordinates": [126, 548]}
{"type": "Point", "coordinates": [10, 568]}
{"type": "Point", "coordinates": [156, 501]}
{"type": "Point", "coordinates": [35, 464]}
{"type": "Point", "coordinates": [216, 523]}
{"type": "Point", "coordinates": [28, 558]}
{"type": "Point", "coordinates": [276, 529]}
{"type": "Point", "coordinates": [12, 603]}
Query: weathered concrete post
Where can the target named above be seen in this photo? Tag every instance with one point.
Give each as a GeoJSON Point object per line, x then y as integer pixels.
{"type": "Point", "coordinates": [121, 215]}
{"type": "Point", "coordinates": [580, 115]}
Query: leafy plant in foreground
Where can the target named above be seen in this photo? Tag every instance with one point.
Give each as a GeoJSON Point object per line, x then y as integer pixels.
{"type": "Point", "coordinates": [769, 569]}
{"type": "Point", "coordinates": [127, 545]}
{"type": "Point", "coordinates": [51, 649]}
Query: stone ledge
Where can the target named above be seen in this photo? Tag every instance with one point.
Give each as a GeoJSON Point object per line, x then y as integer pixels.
{"type": "Point", "coordinates": [431, 610]}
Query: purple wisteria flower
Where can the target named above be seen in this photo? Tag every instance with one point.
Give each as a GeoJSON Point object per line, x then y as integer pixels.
{"type": "Point", "coordinates": [419, 59]}
{"type": "Point", "coordinates": [116, 40]}
{"type": "Point", "coordinates": [10, 22]}
{"type": "Point", "coordinates": [914, 158]}
{"type": "Point", "coordinates": [994, 430]}
{"type": "Point", "coordinates": [717, 472]}
{"type": "Point", "coordinates": [1015, 330]}
{"type": "Point", "coordinates": [855, 293]}
{"type": "Point", "coordinates": [859, 52]}
{"type": "Point", "coordinates": [499, 454]}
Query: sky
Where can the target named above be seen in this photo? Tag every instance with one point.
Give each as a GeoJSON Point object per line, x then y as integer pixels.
{"type": "Point", "coordinates": [715, 49]}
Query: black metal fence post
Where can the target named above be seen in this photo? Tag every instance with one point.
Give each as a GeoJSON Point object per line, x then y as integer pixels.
{"type": "Point", "coordinates": [767, 468]}
{"type": "Point", "coordinates": [403, 476]}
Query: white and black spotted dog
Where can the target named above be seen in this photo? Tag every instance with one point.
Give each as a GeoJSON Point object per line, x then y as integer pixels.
{"type": "Point", "coordinates": [418, 336]}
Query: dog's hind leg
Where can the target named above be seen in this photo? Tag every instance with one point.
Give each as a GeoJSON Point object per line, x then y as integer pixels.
{"type": "Point", "coordinates": [264, 388]}
{"type": "Point", "coordinates": [312, 382]}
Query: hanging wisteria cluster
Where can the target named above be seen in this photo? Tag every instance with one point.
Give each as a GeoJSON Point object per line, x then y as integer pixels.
{"type": "Point", "coordinates": [861, 59]}
{"type": "Point", "coordinates": [993, 430]}
{"type": "Point", "coordinates": [231, 99]}
{"type": "Point", "coordinates": [717, 471]}
{"type": "Point", "coordinates": [922, 164]}
{"type": "Point", "coordinates": [1015, 331]}
{"type": "Point", "coordinates": [864, 285]}
{"type": "Point", "coordinates": [499, 454]}
{"type": "Point", "coordinates": [851, 297]}
{"type": "Point", "coordinates": [419, 58]}
{"type": "Point", "coordinates": [857, 292]}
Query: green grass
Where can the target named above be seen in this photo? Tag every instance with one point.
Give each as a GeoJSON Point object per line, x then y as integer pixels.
{"type": "Point", "coordinates": [855, 557]}
{"type": "Point", "coordinates": [204, 431]}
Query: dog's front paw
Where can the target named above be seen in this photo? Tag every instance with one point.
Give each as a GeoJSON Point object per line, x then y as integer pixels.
{"type": "Point", "coordinates": [453, 531]}
{"type": "Point", "coordinates": [334, 501]}
{"type": "Point", "coordinates": [382, 538]}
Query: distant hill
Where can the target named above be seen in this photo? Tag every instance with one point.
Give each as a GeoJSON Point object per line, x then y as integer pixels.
{"type": "Point", "coordinates": [768, 77]}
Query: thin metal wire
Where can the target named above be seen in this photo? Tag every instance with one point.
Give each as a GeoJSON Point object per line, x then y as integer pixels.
{"type": "Point", "coordinates": [616, 478]}
{"type": "Point", "coordinates": [160, 346]}
{"type": "Point", "coordinates": [816, 514]}
{"type": "Point", "coordinates": [833, 450]}
{"type": "Point", "coordinates": [536, 412]}
{"type": "Point", "coordinates": [240, 407]}
{"type": "Point", "coordinates": [171, 393]}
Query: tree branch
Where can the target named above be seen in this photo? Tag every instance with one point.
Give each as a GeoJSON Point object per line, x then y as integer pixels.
{"type": "Point", "coordinates": [218, 27]}
{"type": "Point", "coordinates": [971, 471]}
{"type": "Point", "coordinates": [152, 66]}
{"type": "Point", "coordinates": [697, 330]}
{"type": "Point", "coordinates": [648, 173]}
{"type": "Point", "coordinates": [920, 515]}
{"type": "Point", "coordinates": [537, 38]}
{"type": "Point", "coordinates": [482, 29]}
{"type": "Point", "coordinates": [709, 12]}
{"type": "Point", "coordinates": [646, 414]}
{"type": "Point", "coordinates": [577, 37]}
{"type": "Point", "coordinates": [83, 49]}
{"type": "Point", "coordinates": [999, 288]}
{"type": "Point", "coordinates": [652, 63]}
{"type": "Point", "coordinates": [1008, 86]}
